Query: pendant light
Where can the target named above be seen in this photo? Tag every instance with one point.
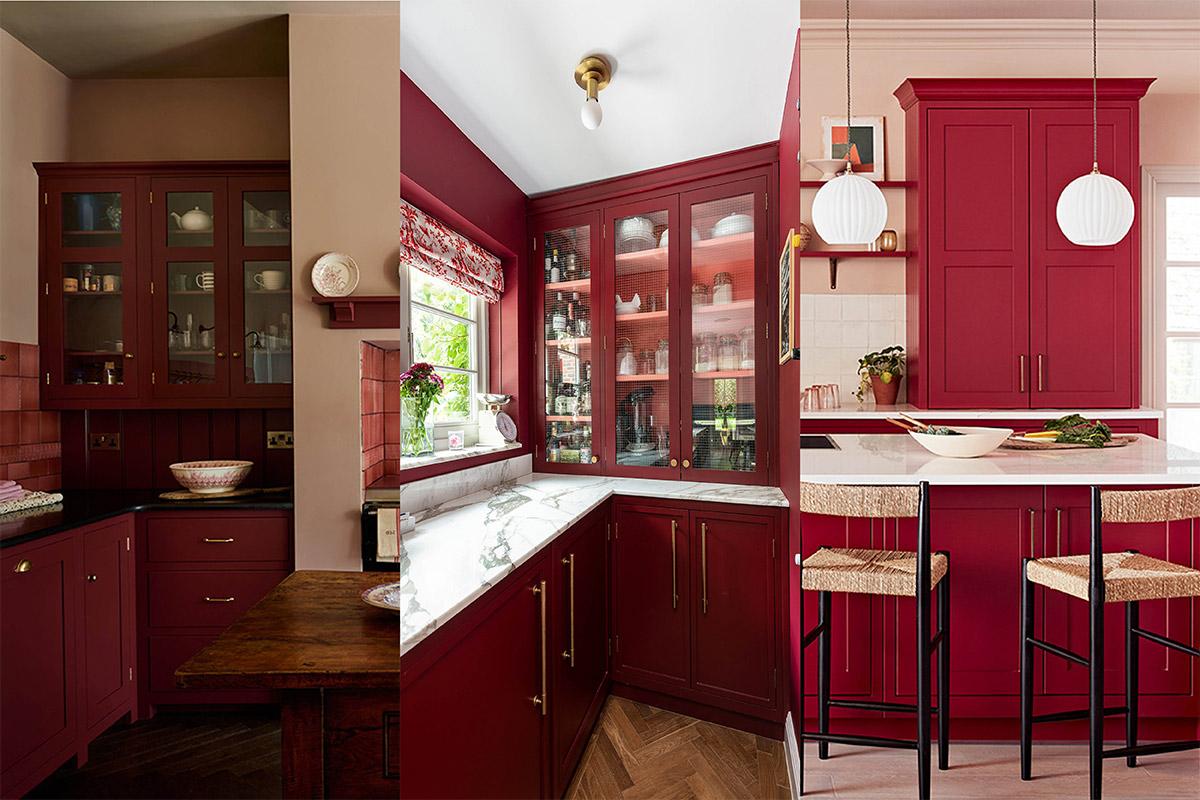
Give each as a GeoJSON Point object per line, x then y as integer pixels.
{"type": "Point", "coordinates": [849, 209]}
{"type": "Point", "coordinates": [1095, 210]}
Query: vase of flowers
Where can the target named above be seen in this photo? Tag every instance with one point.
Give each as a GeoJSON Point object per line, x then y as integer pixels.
{"type": "Point", "coordinates": [420, 386]}
{"type": "Point", "coordinates": [881, 372]}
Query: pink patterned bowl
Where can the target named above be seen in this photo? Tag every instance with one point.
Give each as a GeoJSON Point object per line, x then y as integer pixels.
{"type": "Point", "coordinates": [211, 477]}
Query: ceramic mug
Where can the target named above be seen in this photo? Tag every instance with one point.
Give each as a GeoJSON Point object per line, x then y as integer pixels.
{"type": "Point", "coordinates": [206, 280]}
{"type": "Point", "coordinates": [70, 285]}
{"type": "Point", "coordinates": [110, 283]}
{"type": "Point", "coordinates": [271, 279]}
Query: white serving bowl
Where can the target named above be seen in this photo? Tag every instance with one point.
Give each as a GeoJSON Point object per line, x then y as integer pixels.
{"type": "Point", "coordinates": [973, 442]}
{"type": "Point", "coordinates": [211, 477]}
{"type": "Point", "coordinates": [733, 225]}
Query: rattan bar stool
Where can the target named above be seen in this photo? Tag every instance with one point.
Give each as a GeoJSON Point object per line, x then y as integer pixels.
{"type": "Point", "coordinates": [888, 572]}
{"type": "Point", "coordinates": [1099, 578]}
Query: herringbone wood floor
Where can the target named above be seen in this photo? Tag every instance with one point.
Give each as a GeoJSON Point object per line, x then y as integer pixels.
{"type": "Point", "coordinates": [638, 751]}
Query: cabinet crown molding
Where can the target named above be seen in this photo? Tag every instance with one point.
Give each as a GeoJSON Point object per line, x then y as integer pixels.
{"type": "Point", "coordinates": [1023, 89]}
{"type": "Point", "coordinates": [999, 34]}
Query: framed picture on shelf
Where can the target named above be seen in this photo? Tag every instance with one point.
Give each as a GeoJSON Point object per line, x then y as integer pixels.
{"type": "Point", "coordinates": [787, 299]}
{"type": "Point", "coordinates": [861, 142]}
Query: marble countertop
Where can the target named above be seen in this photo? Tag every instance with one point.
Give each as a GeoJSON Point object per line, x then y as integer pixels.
{"type": "Point", "coordinates": [463, 547]}
{"type": "Point", "coordinates": [898, 459]}
{"type": "Point", "coordinates": [852, 410]}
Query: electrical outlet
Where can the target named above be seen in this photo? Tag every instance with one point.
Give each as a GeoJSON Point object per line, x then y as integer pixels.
{"type": "Point", "coordinates": [104, 441]}
{"type": "Point", "coordinates": [279, 440]}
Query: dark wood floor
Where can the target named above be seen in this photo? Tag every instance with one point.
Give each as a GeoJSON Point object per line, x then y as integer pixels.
{"type": "Point", "coordinates": [174, 756]}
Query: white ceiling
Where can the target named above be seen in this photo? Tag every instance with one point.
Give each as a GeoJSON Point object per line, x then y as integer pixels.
{"type": "Point", "coordinates": [1001, 9]}
{"type": "Point", "coordinates": [692, 78]}
{"type": "Point", "coordinates": [189, 39]}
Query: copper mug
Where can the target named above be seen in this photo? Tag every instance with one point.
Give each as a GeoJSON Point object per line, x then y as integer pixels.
{"type": "Point", "coordinates": [887, 241]}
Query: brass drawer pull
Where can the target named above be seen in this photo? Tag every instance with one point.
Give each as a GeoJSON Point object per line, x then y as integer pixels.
{"type": "Point", "coordinates": [218, 599]}
{"type": "Point", "coordinates": [24, 565]}
{"type": "Point", "coordinates": [218, 541]}
{"type": "Point", "coordinates": [1058, 531]}
{"type": "Point", "coordinates": [674, 570]}
{"type": "Point", "coordinates": [569, 653]}
{"type": "Point", "coordinates": [540, 591]}
{"type": "Point", "coordinates": [1021, 370]}
{"type": "Point", "coordinates": [704, 566]}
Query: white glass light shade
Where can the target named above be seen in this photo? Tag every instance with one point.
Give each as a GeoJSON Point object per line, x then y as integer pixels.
{"type": "Point", "coordinates": [591, 114]}
{"type": "Point", "coordinates": [1095, 210]}
{"type": "Point", "coordinates": [849, 209]}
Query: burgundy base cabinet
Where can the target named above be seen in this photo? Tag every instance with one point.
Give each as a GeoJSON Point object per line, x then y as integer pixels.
{"type": "Point", "coordinates": [66, 648]}
{"type": "Point", "coordinates": [696, 614]}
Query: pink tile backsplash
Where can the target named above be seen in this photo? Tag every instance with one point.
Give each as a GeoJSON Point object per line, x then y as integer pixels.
{"type": "Point", "coordinates": [30, 447]}
{"type": "Point", "coordinates": [379, 396]}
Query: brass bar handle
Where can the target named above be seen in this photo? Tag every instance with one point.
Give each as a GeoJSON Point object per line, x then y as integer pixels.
{"type": "Point", "coordinates": [24, 565]}
{"type": "Point", "coordinates": [1040, 383]}
{"type": "Point", "coordinates": [540, 592]}
{"type": "Point", "coordinates": [217, 541]}
{"type": "Point", "coordinates": [674, 569]}
{"type": "Point", "coordinates": [1058, 531]}
{"type": "Point", "coordinates": [704, 566]}
{"type": "Point", "coordinates": [1032, 517]}
{"type": "Point", "coordinates": [569, 653]}
{"type": "Point", "coordinates": [218, 599]}
{"type": "Point", "coordinates": [1021, 370]}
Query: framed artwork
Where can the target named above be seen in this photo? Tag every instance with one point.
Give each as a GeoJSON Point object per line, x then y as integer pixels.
{"type": "Point", "coordinates": [861, 142]}
{"type": "Point", "coordinates": [787, 299]}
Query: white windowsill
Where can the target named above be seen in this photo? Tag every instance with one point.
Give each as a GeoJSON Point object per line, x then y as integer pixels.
{"type": "Point", "coordinates": [440, 456]}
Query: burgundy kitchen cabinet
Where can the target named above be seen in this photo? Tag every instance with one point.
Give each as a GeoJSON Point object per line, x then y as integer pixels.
{"type": "Point", "coordinates": [165, 242]}
{"type": "Point", "coordinates": [735, 622]}
{"type": "Point", "coordinates": [38, 665]}
{"type": "Point", "coordinates": [108, 620]}
{"type": "Point", "coordinates": [1004, 312]}
{"type": "Point", "coordinates": [579, 641]}
{"type": "Point", "coordinates": [651, 593]}
{"type": "Point", "coordinates": [473, 702]}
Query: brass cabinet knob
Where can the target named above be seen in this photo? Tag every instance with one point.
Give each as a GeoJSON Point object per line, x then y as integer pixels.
{"type": "Point", "coordinates": [129, 355]}
{"type": "Point", "coordinates": [220, 354]}
{"type": "Point", "coordinates": [236, 354]}
{"type": "Point", "coordinates": [595, 459]}
{"type": "Point", "coordinates": [674, 462]}
{"type": "Point", "coordinates": [686, 463]}
{"type": "Point", "coordinates": [24, 565]}
{"type": "Point", "coordinates": [91, 578]}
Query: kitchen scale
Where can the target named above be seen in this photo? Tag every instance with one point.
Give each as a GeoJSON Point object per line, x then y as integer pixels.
{"type": "Point", "coordinates": [496, 427]}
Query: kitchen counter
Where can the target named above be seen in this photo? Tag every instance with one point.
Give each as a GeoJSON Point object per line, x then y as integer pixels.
{"type": "Point", "coordinates": [852, 410]}
{"type": "Point", "coordinates": [85, 507]}
{"type": "Point", "coordinates": [462, 548]}
{"type": "Point", "coordinates": [898, 459]}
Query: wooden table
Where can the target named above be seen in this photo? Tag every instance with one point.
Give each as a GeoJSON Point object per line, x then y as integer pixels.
{"type": "Point", "coordinates": [336, 661]}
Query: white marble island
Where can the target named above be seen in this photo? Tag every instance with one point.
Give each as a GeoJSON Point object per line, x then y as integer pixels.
{"type": "Point", "coordinates": [897, 459]}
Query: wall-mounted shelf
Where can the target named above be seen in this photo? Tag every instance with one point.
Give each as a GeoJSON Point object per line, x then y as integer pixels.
{"type": "Point", "coordinates": [880, 184]}
{"type": "Point", "coordinates": [362, 311]}
{"type": "Point", "coordinates": [835, 256]}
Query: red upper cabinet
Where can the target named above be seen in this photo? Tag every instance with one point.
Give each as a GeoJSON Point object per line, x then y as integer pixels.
{"type": "Point", "coordinates": [1004, 311]}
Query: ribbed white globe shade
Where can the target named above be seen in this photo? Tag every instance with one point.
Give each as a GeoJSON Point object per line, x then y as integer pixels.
{"type": "Point", "coordinates": [849, 209]}
{"type": "Point", "coordinates": [591, 114]}
{"type": "Point", "coordinates": [1095, 210]}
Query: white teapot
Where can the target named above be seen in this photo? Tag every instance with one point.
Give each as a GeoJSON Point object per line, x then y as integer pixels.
{"type": "Point", "coordinates": [195, 220]}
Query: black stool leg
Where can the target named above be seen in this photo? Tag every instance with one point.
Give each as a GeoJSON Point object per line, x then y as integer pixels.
{"type": "Point", "coordinates": [943, 705]}
{"type": "Point", "coordinates": [824, 654]}
{"type": "Point", "coordinates": [1026, 674]}
{"type": "Point", "coordinates": [923, 690]}
{"type": "Point", "coordinates": [1095, 654]}
{"type": "Point", "coordinates": [1131, 680]}
{"type": "Point", "coordinates": [800, 711]}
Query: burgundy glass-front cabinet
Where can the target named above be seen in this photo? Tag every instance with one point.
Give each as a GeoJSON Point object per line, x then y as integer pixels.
{"type": "Point", "coordinates": [654, 325]}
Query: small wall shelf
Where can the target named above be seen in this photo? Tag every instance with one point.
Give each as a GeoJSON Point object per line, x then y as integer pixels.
{"type": "Point", "coordinates": [880, 184]}
{"type": "Point", "coordinates": [362, 311]}
{"type": "Point", "coordinates": [837, 255]}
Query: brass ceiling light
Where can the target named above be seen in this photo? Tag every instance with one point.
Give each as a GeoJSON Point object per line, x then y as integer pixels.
{"type": "Point", "coordinates": [592, 75]}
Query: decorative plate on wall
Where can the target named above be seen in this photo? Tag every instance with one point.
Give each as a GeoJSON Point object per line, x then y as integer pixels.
{"type": "Point", "coordinates": [335, 275]}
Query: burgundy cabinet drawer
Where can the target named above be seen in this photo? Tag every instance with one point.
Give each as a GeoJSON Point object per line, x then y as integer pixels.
{"type": "Point", "coordinates": [209, 598]}
{"type": "Point", "coordinates": [217, 538]}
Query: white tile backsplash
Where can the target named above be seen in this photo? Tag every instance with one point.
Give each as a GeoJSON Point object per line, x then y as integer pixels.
{"type": "Point", "coordinates": [837, 329]}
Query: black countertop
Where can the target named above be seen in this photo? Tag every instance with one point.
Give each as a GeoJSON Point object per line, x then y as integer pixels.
{"type": "Point", "coordinates": [83, 508]}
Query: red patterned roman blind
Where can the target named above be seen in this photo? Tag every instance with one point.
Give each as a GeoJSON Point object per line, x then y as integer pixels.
{"type": "Point", "coordinates": [429, 245]}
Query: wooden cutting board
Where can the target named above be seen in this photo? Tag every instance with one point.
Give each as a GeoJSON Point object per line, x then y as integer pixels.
{"type": "Point", "coordinates": [1016, 443]}
{"type": "Point", "coordinates": [184, 494]}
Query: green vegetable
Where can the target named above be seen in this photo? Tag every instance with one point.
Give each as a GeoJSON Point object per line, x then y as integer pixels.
{"type": "Point", "coordinates": [1076, 429]}
{"type": "Point", "coordinates": [941, 430]}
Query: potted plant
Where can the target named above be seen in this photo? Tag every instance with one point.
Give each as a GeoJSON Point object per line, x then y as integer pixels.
{"type": "Point", "coordinates": [420, 386]}
{"type": "Point", "coordinates": [881, 372]}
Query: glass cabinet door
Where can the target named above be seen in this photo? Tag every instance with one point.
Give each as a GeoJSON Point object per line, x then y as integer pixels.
{"type": "Point", "coordinates": [726, 330]}
{"type": "Point", "coordinates": [570, 346]}
{"type": "Point", "coordinates": [90, 289]}
{"type": "Point", "coordinates": [266, 322]}
{"type": "Point", "coordinates": [192, 322]}
{"type": "Point", "coordinates": [643, 350]}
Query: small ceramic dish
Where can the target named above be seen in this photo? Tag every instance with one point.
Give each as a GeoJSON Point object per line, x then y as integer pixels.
{"type": "Point", "coordinates": [385, 595]}
{"type": "Point", "coordinates": [732, 225]}
{"type": "Point", "coordinates": [335, 275]}
{"type": "Point", "coordinates": [666, 237]}
{"type": "Point", "coordinates": [971, 443]}
{"type": "Point", "coordinates": [211, 477]}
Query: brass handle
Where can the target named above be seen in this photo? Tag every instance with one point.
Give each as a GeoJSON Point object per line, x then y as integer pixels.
{"type": "Point", "coordinates": [24, 565]}
{"type": "Point", "coordinates": [1032, 516]}
{"type": "Point", "coordinates": [674, 569]}
{"type": "Point", "coordinates": [540, 592]}
{"type": "Point", "coordinates": [595, 459]}
{"type": "Point", "coordinates": [129, 355]}
{"type": "Point", "coordinates": [220, 354]}
{"type": "Point", "coordinates": [236, 354]}
{"type": "Point", "coordinates": [674, 462]}
{"type": "Point", "coordinates": [218, 541]}
{"type": "Point", "coordinates": [1058, 531]}
{"type": "Point", "coordinates": [1021, 369]}
{"type": "Point", "coordinates": [569, 653]}
{"type": "Point", "coordinates": [91, 578]}
{"type": "Point", "coordinates": [686, 463]}
{"type": "Point", "coordinates": [704, 566]}
{"type": "Point", "coordinates": [1039, 372]}
{"type": "Point", "coordinates": [218, 599]}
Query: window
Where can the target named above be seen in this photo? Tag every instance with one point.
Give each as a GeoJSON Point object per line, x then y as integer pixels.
{"type": "Point", "coordinates": [448, 329]}
{"type": "Point", "coordinates": [1176, 259]}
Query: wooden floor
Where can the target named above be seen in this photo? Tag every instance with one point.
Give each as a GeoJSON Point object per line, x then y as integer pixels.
{"type": "Point", "coordinates": [638, 751]}
{"type": "Point", "coordinates": [194, 755]}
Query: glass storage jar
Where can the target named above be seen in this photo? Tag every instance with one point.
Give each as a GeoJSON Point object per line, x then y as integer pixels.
{"type": "Point", "coordinates": [746, 341]}
{"type": "Point", "coordinates": [706, 353]}
{"type": "Point", "coordinates": [722, 291]}
{"type": "Point", "coordinates": [728, 353]}
{"type": "Point", "coordinates": [662, 357]}
{"type": "Point", "coordinates": [701, 294]}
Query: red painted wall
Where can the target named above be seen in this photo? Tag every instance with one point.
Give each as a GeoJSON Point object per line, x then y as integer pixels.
{"type": "Point", "coordinates": [29, 437]}
{"type": "Point", "coordinates": [446, 175]}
